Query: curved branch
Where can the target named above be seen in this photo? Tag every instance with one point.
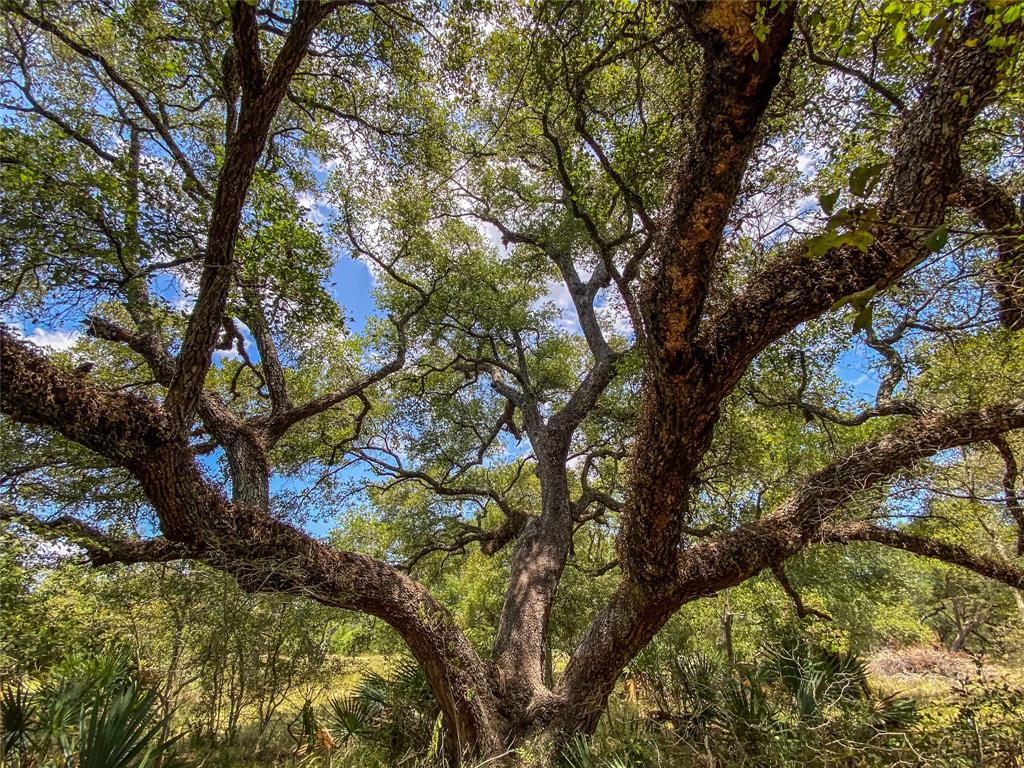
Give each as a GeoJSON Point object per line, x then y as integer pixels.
{"type": "Point", "coordinates": [100, 547]}
{"type": "Point", "coordinates": [245, 446]}
{"type": "Point", "coordinates": [259, 551]}
{"type": "Point", "coordinates": [990, 567]}
{"type": "Point", "coordinates": [871, 82]}
{"type": "Point", "coordinates": [1011, 496]}
{"type": "Point", "coordinates": [280, 423]}
{"type": "Point", "coordinates": [919, 182]}
{"type": "Point", "coordinates": [802, 611]}
{"type": "Point", "coordinates": [636, 612]}
{"type": "Point", "coordinates": [242, 154]}
{"type": "Point", "coordinates": [270, 360]}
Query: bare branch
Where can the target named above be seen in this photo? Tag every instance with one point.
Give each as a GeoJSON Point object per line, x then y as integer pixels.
{"type": "Point", "coordinates": [846, 69]}
{"type": "Point", "coordinates": [243, 153]}
{"type": "Point", "coordinates": [1005, 224]}
{"type": "Point", "coordinates": [787, 586]}
{"type": "Point", "coordinates": [151, 114]}
{"type": "Point", "coordinates": [1011, 496]}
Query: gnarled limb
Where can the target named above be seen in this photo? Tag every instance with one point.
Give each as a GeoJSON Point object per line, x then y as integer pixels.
{"type": "Point", "coordinates": [101, 548]}
{"type": "Point", "coordinates": [676, 422]}
{"type": "Point", "coordinates": [1011, 496]}
{"type": "Point", "coordinates": [802, 610]}
{"type": "Point", "coordinates": [635, 612]}
{"type": "Point", "coordinates": [261, 96]}
{"type": "Point", "coordinates": [922, 175]}
{"type": "Point", "coordinates": [261, 552]}
{"type": "Point", "coordinates": [954, 554]}
{"type": "Point", "coordinates": [244, 445]}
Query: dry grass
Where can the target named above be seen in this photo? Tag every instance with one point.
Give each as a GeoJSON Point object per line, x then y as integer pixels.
{"type": "Point", "coordinates": [931, 673]}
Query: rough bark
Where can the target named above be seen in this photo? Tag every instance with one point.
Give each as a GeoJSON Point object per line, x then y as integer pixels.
{"type": "Point", "coordinates": [696, 354]}
{"type": "Point", "coordinates": [262, 94]}
{"type": "Point", "coordinates": [537, 565]}
{"type": "Point", "coordinates": [923, 172]}
{"type": "Point", "coordinates": [990, 567]}
{"type": "Point", "coordinates": [635, 613]}
{"type": "Point", "coordinates": [262, 553]}
{"type": "Point", "coordinates": [1002, 218]}
{"type": "Point", "coordinates": [676, 420]}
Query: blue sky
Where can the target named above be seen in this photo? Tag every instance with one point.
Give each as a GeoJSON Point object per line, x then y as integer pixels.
{"type": "Point", "coordinates": [351, 284]}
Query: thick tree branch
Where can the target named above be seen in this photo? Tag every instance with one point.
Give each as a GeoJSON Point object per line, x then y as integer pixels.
{"type": "Point", "coordinates": [740, 73]}
{"type": "Point", "coordinates": [1011, 496]}
{"type": "Point", "coordinates": [270, 360]}
{"type": "Point", "coordinates": [635, 613]}
{"type": "Point", "coordinates": [954, 554]}
{"type": "Point", "coordinates": [245, 33]}
{"type": "Point", "coordinates": [100, 547]}
{"type": "Point", "coordinates": [121, 427]}
{"type": "Point", "coordinates": [244, 444]}
{"type": "Point", "coordinates": [921, 176]}
{"type": "Point", "coordinates": [1004, 222]}
{"type": "Point", "coordinates": [243, 152]}
{"type": "Point", "coordinates": [676, 420]}
{"type": "Point", "coordinates": [261, 552]}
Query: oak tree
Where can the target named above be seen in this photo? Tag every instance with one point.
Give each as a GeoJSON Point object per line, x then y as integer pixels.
{"type": "Point", "coordinates": [613, 245]}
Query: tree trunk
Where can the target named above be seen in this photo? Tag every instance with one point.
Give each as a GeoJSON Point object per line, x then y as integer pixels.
{"type": "Point", "coordinates": [541, 551]}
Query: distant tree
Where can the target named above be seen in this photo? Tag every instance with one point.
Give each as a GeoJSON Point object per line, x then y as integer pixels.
{"type": "Point", "coordinates": [167, 169]}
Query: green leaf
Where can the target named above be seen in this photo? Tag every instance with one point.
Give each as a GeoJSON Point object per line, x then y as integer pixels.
{"type": "Point", "coordinates": [819, 245]}
{"type": "Point", "coordinates": [828, 201]}
{"type": "Point", "coordinates": [857, 300]}
{"type": "Point", "coordinates": [900, 33]}
{"type": "Point", "coordinates": [860, 239]}
{"type": "Point", "coordinates": [936, 241]}
{"type": "Point", "coordinates": [864, 177]}
{"type": "Point", "coordinates": [840, 218]}
{"type": "Point", "coordinates": [863, 318]}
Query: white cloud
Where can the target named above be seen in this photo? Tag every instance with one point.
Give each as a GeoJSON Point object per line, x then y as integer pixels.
{"type": "Point", "coordinates": [56, 341]}
{"type": "Point", "coordinates": [56, 549]}
{"type": "Point", "coordinates": [318, 213]}
{"type": "Point", "coordinates": [614, 318]}
{"type": "Point", "coordinates": [493, 235]}
{"type": "Point", "coordinates": [219, 355]}
{"type": "Point", "coordinates": [558, 295]}
{"type": "Point", "coordinates": [227, 354]}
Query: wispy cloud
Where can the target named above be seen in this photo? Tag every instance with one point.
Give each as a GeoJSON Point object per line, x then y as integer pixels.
{"type": "Point", "coordinates": [558, 295]}
{"type": "Point", "coordinates": [57, 341]}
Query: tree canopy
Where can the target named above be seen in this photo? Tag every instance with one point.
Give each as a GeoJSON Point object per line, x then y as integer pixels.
{"type": "Point", "coordinates": [659, 296]}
